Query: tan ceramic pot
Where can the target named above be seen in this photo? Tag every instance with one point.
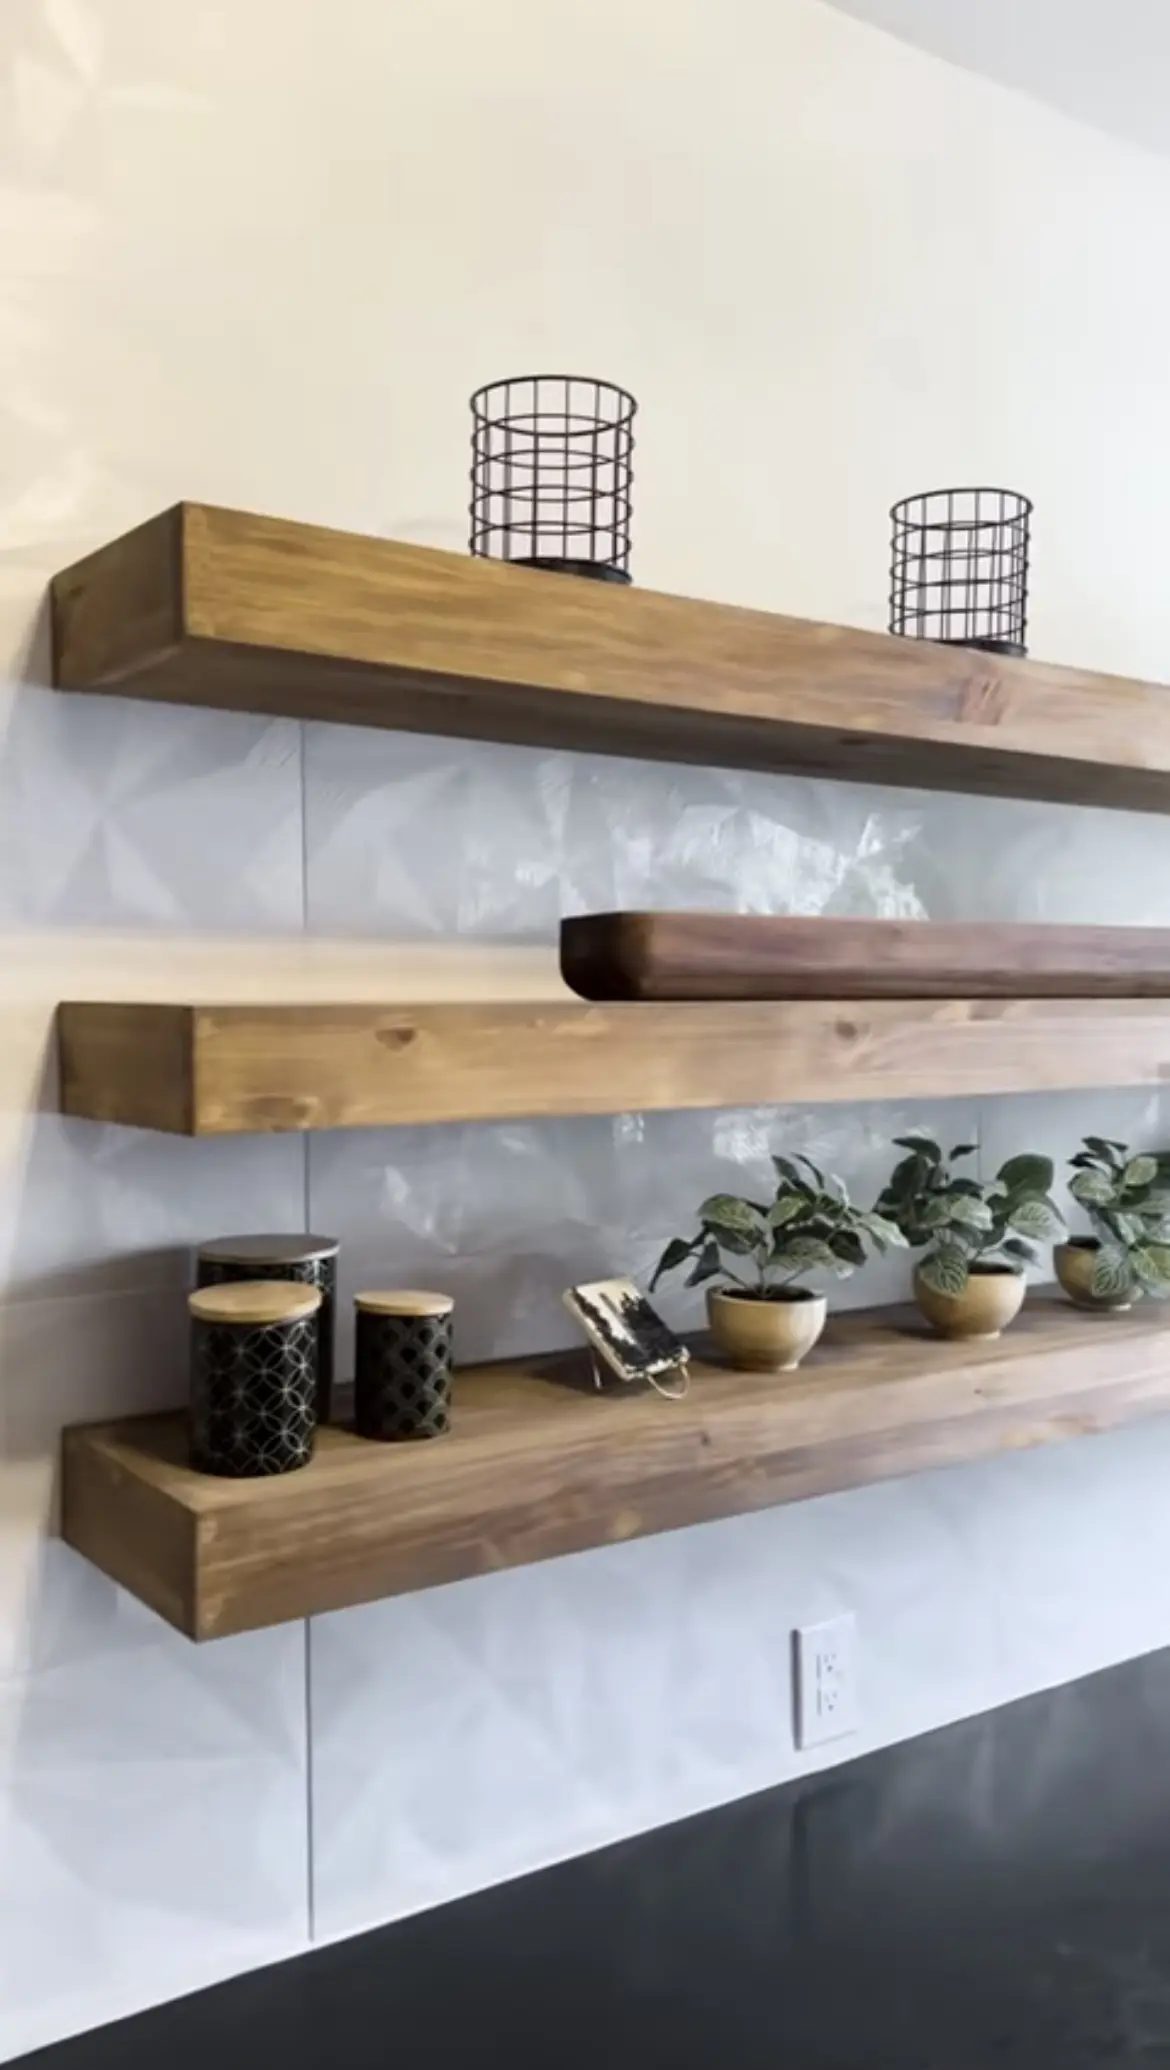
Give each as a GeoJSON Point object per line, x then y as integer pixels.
{"type": "Point", "coordinates": [1075, 1263]}
{"type": "Point", "coordinates": [994, 1297]}
{"type": "Point", "coordinates": [766, 1336]}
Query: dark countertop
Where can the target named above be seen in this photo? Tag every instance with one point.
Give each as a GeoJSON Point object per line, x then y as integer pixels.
{"type": "Point", "coordinates": [993, 1897]}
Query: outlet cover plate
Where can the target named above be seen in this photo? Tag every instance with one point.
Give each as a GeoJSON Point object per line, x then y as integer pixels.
{"type": "Point", "coordinates": [824, 1681]}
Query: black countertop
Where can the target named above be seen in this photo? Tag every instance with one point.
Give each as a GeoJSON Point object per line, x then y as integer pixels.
{"type": "Point", "coordinates": [993, 1897]}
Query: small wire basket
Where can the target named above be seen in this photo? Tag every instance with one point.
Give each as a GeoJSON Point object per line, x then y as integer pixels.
{"type": "Point", "coordinates": [551, 474]}
{"type": "Point", "coordinates": [960, 568]}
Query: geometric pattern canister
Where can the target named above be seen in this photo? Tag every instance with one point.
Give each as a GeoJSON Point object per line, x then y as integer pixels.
{"type": "Point", "coordinates": [253, 1378]}
{"type": "Point", "coordinates": [309, 1260]}
{"type": "Point", "coordinates": [402, 1365]}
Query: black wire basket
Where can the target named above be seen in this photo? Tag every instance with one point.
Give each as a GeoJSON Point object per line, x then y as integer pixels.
{"type": "Point", "coordinates": [960, 569]}
{"type": "Point", "coordinates": [551, 474]}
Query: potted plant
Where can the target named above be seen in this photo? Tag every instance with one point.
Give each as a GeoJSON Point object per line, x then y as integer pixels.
{"type": "Point", "coordinates": [760, 1252]}
{"type": "Point", "coordinates": [976, 1235]}
{"type": "Point", "coordinates": [1127, 1200]}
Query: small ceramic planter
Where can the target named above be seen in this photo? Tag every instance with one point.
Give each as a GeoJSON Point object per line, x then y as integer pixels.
{"type": "Point", "coordinates": [993, 1297]}
{"type": "Point", "coordinates": [766, 1336]}
{"type": "Point", "coordinates": [1075, 1263]}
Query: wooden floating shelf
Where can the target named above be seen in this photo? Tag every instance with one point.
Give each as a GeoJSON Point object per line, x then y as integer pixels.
{"type": "Point", "coordinates": [224, 1070]}
{"type": "Point", "coordinates": [215, 607]}
{"type": "Point", "coordinates": [537, 1464]}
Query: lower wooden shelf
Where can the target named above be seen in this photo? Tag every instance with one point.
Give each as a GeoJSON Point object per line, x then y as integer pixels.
{"type": "Point", "coordinates": [538, 1463]}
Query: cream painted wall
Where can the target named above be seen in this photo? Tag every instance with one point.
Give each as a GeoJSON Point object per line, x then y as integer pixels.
{"type": "Point", "coordinates": [260, 251]}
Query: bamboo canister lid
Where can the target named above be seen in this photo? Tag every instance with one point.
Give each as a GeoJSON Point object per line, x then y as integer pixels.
{"type": "Point", "coordinates": [268, 1250]}
{"type": "Point", "coordinates": [255, 1301]}
{"type": "Point", "coordinates": [405, 1301]}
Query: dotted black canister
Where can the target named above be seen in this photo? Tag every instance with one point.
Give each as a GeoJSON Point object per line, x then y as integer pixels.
{"type": "Point", "coordinates": [402, 1365]}
{"type": "Point", "coordinates": [253, 1378]}
{"type": "Point", "coordinates": [309, 1260]}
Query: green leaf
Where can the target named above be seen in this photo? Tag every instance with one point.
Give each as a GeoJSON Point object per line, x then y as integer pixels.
{"type": "Point", "coordinates": [706, 1266]}
{"type": "Point", "coordinates": [724, 1213]}
{"type": "Point", "coordinates": [946, 1270]}
{"type": "Point", "coordinates": [1027, 1174]}
{"type": "Point", "coordinates": [1113, 1276]}
{"type": "Point", "coordinates": [1111, 1152]}
{"type": "Point", "coordinates": [1093, 1189]}
{"type": "Point", "coordinates": [883, 1230]}
{"type": "Point", "coordinates": [1140, 1171]}
{"type": "Point", "coordinates": [970, 1213]}
{"type": "Point", "coordinates": [936, 1212]}
{"type": "Point", "coordinates": [1037, 1218]}
{"type": "Point", "coordinates": [912, 1174]}
{"type": "Point", "coordinates": [814, 1171]}
{"type": "Point", "coordinates": [785, 1169]}
{"type": "Point", "coordinates": [921, 1145]}
{"type": "Point", "coordinates": [846, 1245]}
{"type": "Point", "coordinates": [1022, 1253]}
{"type": "Point", "coordinates": [1151, 1262]}
{"type": "Point", "coordinates": [962, 1150]}
{"type": "Point", "coordinates": [738, 1243]}
{"type": "Point", "coordinates": [785, 1208]}
{"type": "Point", "coordinates": [677, 1251]}
{"type": "Point", "coordinates": [1129, 1228]}
{"type": "Point", "coordinates": [802, 1254]}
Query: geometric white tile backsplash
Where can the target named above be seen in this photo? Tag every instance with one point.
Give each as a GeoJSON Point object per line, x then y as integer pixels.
{"type": "Point", "coordinates": [152, 1825]}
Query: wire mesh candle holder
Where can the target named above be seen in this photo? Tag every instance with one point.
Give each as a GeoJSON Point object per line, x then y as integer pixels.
{"type": "Point", "coordinates": [959, 573]}
{"type": "Point", "coordinates": [552, 474]}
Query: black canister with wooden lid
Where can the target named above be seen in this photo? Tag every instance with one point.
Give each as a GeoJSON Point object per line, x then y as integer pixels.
{"type": "Point", "coordinates": [309, 1260]}
{"type": "Point", "coordinates": [402, 1364]}
{"type": "Point", "coordinates": [253, 1377]}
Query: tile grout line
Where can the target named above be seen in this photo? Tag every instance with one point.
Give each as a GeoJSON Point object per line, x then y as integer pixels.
{"type": "Point", "coordinates": [310, 1849]}
{"type": "Point", "coordinates": [310, 1864]}
{"type": "Point", "coordinates": [304, 771]}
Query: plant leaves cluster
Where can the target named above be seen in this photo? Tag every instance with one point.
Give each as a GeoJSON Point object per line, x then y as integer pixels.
{"type": "Point", "coordinates": [959, 1222]}
{"type": "Point", "coordinates": [764, 1247]}
{"type": "Point", "coordinates": [1127, 1200]}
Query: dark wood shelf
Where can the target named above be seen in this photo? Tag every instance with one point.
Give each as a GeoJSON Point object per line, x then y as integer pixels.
{"type": "Point", "coordinates": [216, 1070]}
{"type": "Point", "coordinates": [538, 1464]}
{"type": "Point", "coordinates": [216, 607]}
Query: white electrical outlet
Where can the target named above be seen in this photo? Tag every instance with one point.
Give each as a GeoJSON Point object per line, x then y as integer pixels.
{"type": "Point", "coordinates": [824, 1671]}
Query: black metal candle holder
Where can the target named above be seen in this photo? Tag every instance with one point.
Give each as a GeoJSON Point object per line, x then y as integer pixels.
{"type": "Point", "coordinates": [960, 568]}
{"type": "Point", "coordinates": [551, 474]}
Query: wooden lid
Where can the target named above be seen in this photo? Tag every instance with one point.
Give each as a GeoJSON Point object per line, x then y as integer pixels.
{"type": "Point", "coordinates": [268, 1250]}
{"type": "Point", "coordinates": [254, 1301]}
{"type": "Point", "coordinates": [405, 1301]}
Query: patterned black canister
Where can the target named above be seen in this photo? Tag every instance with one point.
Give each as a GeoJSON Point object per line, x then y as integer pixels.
{"type": "Point", "coordinates": [310, 1260]}
{"type": "Point", "coordinates": [253, 1378]}
{"type": "Point", "coordinates": [402, 1365]}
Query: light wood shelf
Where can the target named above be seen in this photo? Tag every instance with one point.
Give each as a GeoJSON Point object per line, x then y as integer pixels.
{"type": "Point", "coordinates": [537, 1464]}
{"type": "Point", "coordinates": [222, 1070]}
{"type": "Point", "coordinates": [216, 607]}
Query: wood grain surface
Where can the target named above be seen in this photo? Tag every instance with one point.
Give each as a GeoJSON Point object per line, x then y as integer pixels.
{"type": "Point", "coordinates": [230, 1070]}
{"type": "Point", "coordinates": [663, 956]}
{"type": "Point", "coordinates": [217, 607]}
{"type": "Point", "coordinates": [538, 1464]}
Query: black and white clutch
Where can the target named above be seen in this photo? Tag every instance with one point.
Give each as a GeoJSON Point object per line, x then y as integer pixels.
{"type": "Point", "coordinates": [630, 1335]}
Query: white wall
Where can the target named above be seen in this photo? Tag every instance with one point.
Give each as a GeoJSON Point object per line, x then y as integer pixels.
{"type": "Point", "coordinates": [261, 251]}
